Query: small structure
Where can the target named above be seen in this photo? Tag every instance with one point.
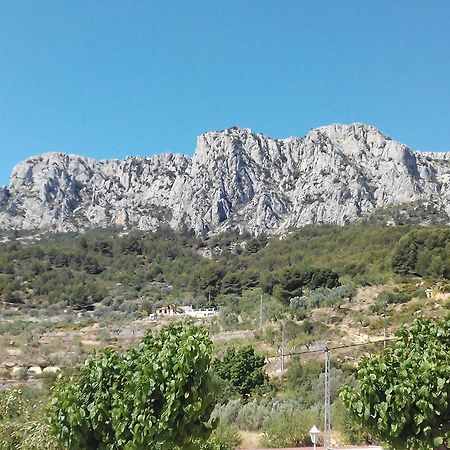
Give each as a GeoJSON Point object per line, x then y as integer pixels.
{"type": "Point", "coordinates": [165, 311]}
{"type": "Point", "coordinates": [183, 311]}
{"type": "Point", "coordinates": [199, 313]}
{"type": "Point", "coordinates": [429, 293]}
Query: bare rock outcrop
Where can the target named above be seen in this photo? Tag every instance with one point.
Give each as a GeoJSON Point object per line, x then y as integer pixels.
{"type": "Point", "coordinates": [236, 179]}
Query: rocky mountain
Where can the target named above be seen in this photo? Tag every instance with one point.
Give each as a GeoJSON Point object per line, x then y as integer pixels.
{"type": "Point", "coordinates": [236, 179]}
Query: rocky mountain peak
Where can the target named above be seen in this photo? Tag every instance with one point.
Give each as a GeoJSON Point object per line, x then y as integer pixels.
{"type": "Point", "coordinates": [236, 178]}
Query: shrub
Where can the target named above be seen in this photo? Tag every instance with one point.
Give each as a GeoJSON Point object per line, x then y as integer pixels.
{"type": "Point", "coordinates": [392, 297]}
{"type": "Point", "coordinates": [227, 412]}
{"type": "Point", "coordinates": [350, 431]}
{"type": "Point", "coordinates": [22, 426]}
{"type": "Point", "coordinates": [289, 430]}
{"type": "Point", "coordinates": [224, 437]}
{"type": "Point", "coordinates": [255, 414]}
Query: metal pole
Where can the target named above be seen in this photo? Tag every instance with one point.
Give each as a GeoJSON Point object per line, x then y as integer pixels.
{"type": "Point", "coordinates": [327, 409]}
{"type": "Point", "coordinates": [384, 335]}
{"type": "Point", "coordinates": [282, 348]}
{"type": "Point", "coordinates": [261, 313]}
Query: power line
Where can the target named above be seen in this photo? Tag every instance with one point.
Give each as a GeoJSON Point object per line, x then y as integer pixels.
{"type": "Point", "coordinates": [338, 347]}
{"type": "Point", "coordinates": [327, 350]}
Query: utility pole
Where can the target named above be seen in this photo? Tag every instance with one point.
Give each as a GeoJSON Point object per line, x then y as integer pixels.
{"type": "Point", "coordinates": [384, 336]}
{"type": "Point", "coordinates": [261, 313]}
{"type": "Point", "coordinates": [282, 348]}
{"type": "Point", "coordinates": [327, 409]}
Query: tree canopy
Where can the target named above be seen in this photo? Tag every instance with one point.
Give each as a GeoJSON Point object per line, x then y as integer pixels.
{"type": "Point", "coordinates": [402, 396]}
{"type": "Point", "coordinates": [243, 370]}
{"type": "Point", "coordinates": [425, 252]}
{"type": "Point", "coordinates": [160, 393]}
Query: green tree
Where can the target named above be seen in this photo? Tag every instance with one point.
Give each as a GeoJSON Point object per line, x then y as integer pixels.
{"type": "Point", "coordinates": [402, 396]}
{"type": "Point", "coordinates": [423, 252]}
{"type": "Point", "coordinates": [404, 257]}
{"type": "Point", "coordinates": [208, 279]}
{"type": "Point", "coordinates": [243, 370]}
{"type": "Point", "coordinates": [159, 395]}
{"type": "Point", "coordinates": [294, 279]}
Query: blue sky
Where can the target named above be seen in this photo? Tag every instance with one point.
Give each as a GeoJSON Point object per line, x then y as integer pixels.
{"type": "Point", "coordinates": [108, 79]}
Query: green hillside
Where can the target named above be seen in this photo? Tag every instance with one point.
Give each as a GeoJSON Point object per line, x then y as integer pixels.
{"type": "Point", "coordinates": [349, 288]}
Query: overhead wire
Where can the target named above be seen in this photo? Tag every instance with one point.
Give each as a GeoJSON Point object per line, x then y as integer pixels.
{"type": "Point", "coordinates": [338, 347]}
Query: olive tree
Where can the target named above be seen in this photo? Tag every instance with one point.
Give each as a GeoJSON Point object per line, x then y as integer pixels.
{"type": "Point", "coordinates": [402, 395]}
{"type": "Point", "coordinates": [158, 395]}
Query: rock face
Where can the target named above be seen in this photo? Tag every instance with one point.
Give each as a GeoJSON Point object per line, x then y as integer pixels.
{"type": "Point", "coordinates": [236, 179]}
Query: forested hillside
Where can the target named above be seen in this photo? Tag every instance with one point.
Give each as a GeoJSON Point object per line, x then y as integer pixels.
{"type": "Point", "coordinates": [68, 270]}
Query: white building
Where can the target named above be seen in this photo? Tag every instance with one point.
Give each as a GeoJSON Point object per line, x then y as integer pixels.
{"type": "Point", "coordinates": [199, 313]}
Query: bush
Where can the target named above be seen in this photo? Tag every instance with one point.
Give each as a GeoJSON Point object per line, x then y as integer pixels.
{"type": "Point", "coordinates": [22, 425]}
{"type": "Point", "coordinates": [350, 431]}
{"type": "Point", "coordinates": [223, 437]}
{"type": "Point", "coordinates": [379, 307]}
{"type": "Point", "coordinates": [289, 430]}
{"type": "Point", "coordinates": [252, 416]}
{"type": "Point", "coordinates": [255, 414]}
{"type": "Point", "coordinates": [227, 412]}
{"type": "Point", "coordinates": [393, 297]}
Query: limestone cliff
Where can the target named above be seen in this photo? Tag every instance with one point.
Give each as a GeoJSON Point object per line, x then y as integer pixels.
{"type": "Point", "coordinates": [236, 179]}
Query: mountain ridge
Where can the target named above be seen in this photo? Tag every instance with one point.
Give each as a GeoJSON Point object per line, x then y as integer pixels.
{"type": "Point", "coordinates": [235, 179]}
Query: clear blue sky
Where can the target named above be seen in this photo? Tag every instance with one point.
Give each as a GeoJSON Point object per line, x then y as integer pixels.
{"type": "Point", "coordinates": [108, 79]}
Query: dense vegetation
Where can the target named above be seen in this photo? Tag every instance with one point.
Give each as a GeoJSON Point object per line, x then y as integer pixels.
{"type": "Point", "coordinates": [242, 371]}
{"type": "Point", "coordinates": [22, 422]}
{"type": "Point", "coordinates": [301, 286]}
{"type": "Point", "coordinates": [77, 271]}
{"type": "Point", "coordinates": [160, 393]}
{"type": "Point", "coordinates": [424, 252]}
{"type": "Point", "coordinates": [402, 395]}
